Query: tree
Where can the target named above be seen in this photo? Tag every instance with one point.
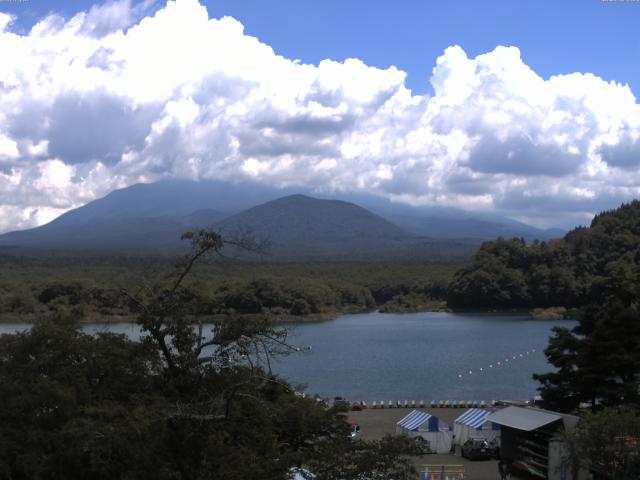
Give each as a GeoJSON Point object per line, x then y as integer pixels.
{"type": "Point", "coordinates": [70, 401]}
{"type": "Point", "coordinates": [567, 272]}
{"type": "Point", "coordinates": [184, 403]}
{"type": "Point", "coordinates": [344, 458]}
{"type": "Point", "coordinates": [610, 441]}
{"type": "Point", "coordinates": [598, 361]}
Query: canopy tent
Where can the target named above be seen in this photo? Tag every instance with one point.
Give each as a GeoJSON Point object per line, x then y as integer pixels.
{"type": "Point", "coordinates": [474, 424]}
{"type": "Point", "coordinates": [426, 426]}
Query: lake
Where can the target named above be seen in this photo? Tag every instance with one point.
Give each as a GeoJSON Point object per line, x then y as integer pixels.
{"type": "Point", "coordinates": [410, 356]}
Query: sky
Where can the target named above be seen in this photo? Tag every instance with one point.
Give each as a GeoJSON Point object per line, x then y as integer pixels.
{"type": "Point", "coordinates": [526, 109]}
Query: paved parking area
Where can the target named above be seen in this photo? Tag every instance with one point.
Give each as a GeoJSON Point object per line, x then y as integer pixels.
{"type": "Point", "coordinates": [376, 423]}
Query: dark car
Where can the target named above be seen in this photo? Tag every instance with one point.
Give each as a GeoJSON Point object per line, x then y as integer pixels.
{"type": "Point", "coordinates": [477, 449]}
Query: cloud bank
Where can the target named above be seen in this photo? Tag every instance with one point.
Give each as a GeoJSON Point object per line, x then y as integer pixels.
{"type": "Point", "coordinates": [112, 97]}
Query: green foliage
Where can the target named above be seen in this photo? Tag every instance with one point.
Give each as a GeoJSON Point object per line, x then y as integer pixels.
{"type": "Point", "coordinates": [609, 441]}
{"type": "Point", "coordinates": [598, 361]}
{"type": "Point", "coordinates": [570, 272]}
{"type": "Point", "coordinates": [91, 287]}
{"type": "Point", "coordinates": [388, 458]}
{"type": "Point", "coordinates": [183, 403]}
{"type": "Point", "coordinates": [70, 401]}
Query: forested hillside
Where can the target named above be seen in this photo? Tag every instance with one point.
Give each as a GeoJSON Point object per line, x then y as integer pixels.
{"type": "Point", "coordinates": [570, 272]}
{"type": "Point", "coordinates": [91, 288]}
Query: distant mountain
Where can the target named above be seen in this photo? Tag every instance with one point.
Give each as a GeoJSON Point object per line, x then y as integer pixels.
{"type": "Point", "coordinates": [448, 222]}
{"type": "Point", "coordinates": [150, 218]}
{"type": "Point", "coordinates": [303, 219]}
{"type": "Point", "coordinates": [171, 198]}
{"type": "Point", "coordinates": [177, 198]}
{"type": "Point", "coordinates": [470, 227]}
{"type": "Point", "coordinates": [110, 235]}
{"type": "Point", "coordinates": [299, 226]}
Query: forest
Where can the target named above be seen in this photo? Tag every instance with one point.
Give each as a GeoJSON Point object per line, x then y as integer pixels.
{"type": "Point", "coordinates": [133, 400]}
{"type": "Point", "coordinates": [503, 274]}
{"type": "Point", "coordinates": [569, 272]}
{"type": "Point", "coordinates": [179, 404]}
{"type": "Point", "coordinates": [91, 287]}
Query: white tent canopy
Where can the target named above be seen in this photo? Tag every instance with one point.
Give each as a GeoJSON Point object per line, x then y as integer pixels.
{"type": "Point", "coordinates": [474, 424]}
{"type": "Point", "coordinates": [426, 426]}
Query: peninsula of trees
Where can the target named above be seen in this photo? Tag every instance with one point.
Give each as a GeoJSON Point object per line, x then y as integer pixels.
{"type": "Point", "coordinates": [569, 272]}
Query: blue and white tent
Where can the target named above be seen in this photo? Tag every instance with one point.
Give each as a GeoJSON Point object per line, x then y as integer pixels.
{"type": "Point", "coordinates": [428, 427]}
{"type": "Point", "coordinates": [474, 424]}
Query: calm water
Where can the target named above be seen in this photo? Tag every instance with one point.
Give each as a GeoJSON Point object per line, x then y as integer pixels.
{"type": "Point", "coordinates": [410, 356]}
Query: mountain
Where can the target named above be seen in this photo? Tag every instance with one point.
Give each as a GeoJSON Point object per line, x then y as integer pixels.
{"type": "Point", "coordinates": [470, 227]}
{"type": "Point", "coordinates": [176, 198]}
{"type": "Point", "coordinates": [449, 222]}
{"type": "Point", "coordinates": [299, 226]}
{"type": "Point", "coordinates": [170, 198]}
{"type": "Point", "coordinates": [150, 217]}
{"type": "Point", "coordinates": [303, 219]}
{"type": "Point", "coordinates": [130, 235]}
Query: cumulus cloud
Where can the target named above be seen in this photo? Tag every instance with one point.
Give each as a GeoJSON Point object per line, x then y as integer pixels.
{"type": "Point", "coordinates": [118, 95]}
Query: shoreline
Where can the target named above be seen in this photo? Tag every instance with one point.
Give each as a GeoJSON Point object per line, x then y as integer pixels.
{"type": "Point", "coordinates": [32, 318]}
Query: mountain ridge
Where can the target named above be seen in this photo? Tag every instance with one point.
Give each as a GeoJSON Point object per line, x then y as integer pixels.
{"type": "Point", "coordinates": [151, 217]}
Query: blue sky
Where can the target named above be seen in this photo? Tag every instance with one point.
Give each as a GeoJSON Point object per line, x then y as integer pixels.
{"type": "Point", "coordinates": [554, 37]}
{"type": "Point", "coordinates": [526, 109]}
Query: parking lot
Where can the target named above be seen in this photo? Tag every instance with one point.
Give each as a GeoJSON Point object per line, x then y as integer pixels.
{"type": "Point", "coordinates": [376, 423]}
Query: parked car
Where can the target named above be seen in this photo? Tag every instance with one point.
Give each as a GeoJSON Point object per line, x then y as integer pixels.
{"type": "Point", "coordinates": [341, 404]}
{"type": "Point", "coordinates": [477, 449]}
{"type": "Point", "coordinates": [354, 429]}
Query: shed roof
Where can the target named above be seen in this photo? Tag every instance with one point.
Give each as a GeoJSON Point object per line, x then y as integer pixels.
{"type": "Point", "coordinates": [523, 418]}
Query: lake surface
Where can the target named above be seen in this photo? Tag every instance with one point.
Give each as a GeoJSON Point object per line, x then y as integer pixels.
{"type": "Point", "coordinates": [414, 356]}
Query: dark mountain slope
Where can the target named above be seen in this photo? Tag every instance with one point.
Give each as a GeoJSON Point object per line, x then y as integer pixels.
{"type": "Point", "coordinates": [170, 198]}
{"type": "Point", "coordinates": [299, 227]}
{"type": "Point", "coordinates": [176, 198]}
{"type": "Point", "coordinates": [151, 217]}
{"type": "Point", "coordinates": [302, 219]}
{"type": "Point", "coordinates": [111, 235]}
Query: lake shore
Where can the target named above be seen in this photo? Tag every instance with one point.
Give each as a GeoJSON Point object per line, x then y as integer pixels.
{"type": "Point", "coordinates": [432, 307]}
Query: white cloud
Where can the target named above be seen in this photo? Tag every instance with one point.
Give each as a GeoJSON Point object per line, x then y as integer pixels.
{"type": "Point", "coordinates": [8, 149]}
{"type": "Point", "coordinates": [5, 21]}
{"type": "Point", "coordinates": [109, 98]}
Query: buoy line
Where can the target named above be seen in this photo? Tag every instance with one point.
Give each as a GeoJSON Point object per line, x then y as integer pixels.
{"type": "Point", "coordinates": [499, 363]}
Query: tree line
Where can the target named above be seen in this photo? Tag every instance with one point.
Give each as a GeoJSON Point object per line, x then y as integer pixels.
{"type": "Point", "coordinates": [570, 272]}
{"type": "Point", "coordinates": [90, 288]}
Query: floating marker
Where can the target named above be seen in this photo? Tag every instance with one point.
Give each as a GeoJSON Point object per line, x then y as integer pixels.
{"type": "Point", "coordinates": [497, 364]}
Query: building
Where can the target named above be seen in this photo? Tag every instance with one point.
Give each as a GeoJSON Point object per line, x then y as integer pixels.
{"type": "Point", "coordinates": [529, 442]}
